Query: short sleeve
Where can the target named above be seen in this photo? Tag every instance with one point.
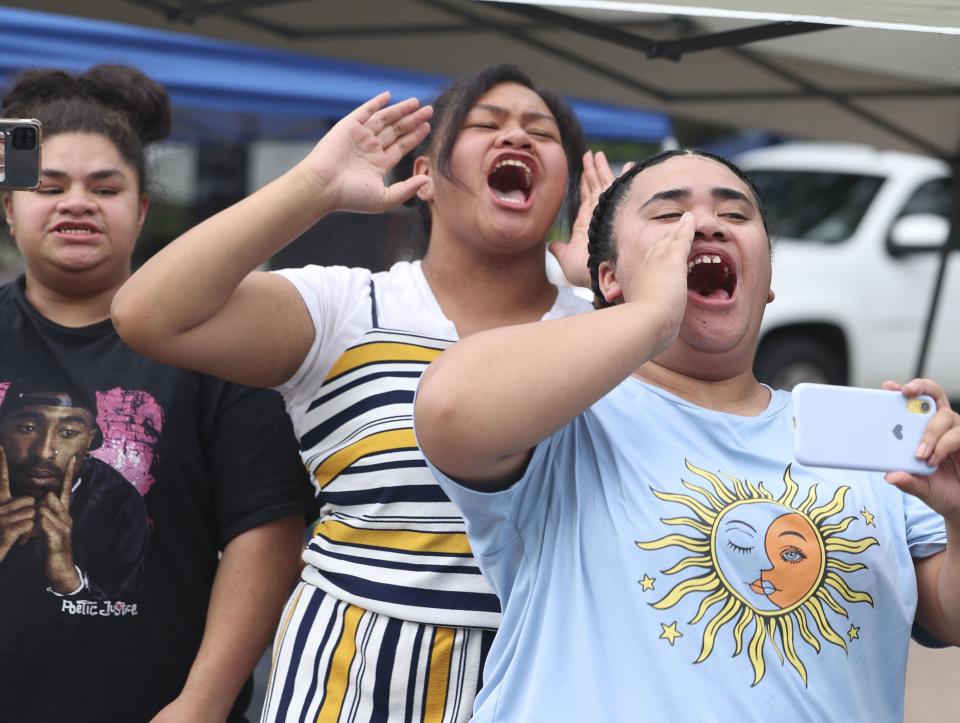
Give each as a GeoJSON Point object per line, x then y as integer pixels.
{"type": "Point", "coordinates": [926, 534]}
{"type": "Point", "coordinates": [494, 520]}
{"type": "Point", "coordinates": [338, 299]}
{"type": "Point", "coordinates": [251, 458]}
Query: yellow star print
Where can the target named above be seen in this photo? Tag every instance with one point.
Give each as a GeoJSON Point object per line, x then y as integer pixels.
{"type": "Point", "coordinates": [647, 582]}
{"type": "Point", "coordinates": [868, 517]}
{"type": "Point", "coordinates": [670, 632]}
{"type": "Point", "coordinates": [854, 632]}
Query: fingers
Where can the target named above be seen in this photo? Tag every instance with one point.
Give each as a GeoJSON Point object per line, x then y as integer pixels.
{"type": "Point", "coordinates": [4, 477]}
{"type": "Point", "coordinates": [405, 143]}
{"type": "Point", "coordinates": [69, 478]}
{"type": "Point", "coordinates": [16, 532]}
{"type": "Point", "coordinates": [402, 190]}
{"type": "Point", "coordinates": [365, 111]}
{"type": "Point", "coordinates": [941, 438]}
{"type": "Point", "coordinates": [917, 486]}
{"type": "Point", "coordinates": [946, 445]}
{"type": "Point", "coordinates": [17, 518]}
{"type": "Point", "coordinates": [398, 120]}
{"type": "Point", "coordinates": [604, 173]}
{"type": "Point", "coordinates": [55, 522]}
{"type": "Point", "coordinates": [916, 387]}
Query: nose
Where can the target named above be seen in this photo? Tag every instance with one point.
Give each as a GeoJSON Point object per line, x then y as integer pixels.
{"type": "Point", "coordinates": [709, 227]}
{"type": "Point", "coordinates": [76, 202]}
{"type": "Point", "coordinates": [47, 445]}
{"type": "Point", "coordinates": [514, 137]}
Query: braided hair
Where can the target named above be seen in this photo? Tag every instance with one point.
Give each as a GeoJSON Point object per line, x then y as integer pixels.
{"type": "Point", "coordinates": [115, 101]}
{"type": "Point", "coordinates": [602, 244]}
{"type": "Point", "coordinates": [450, 109]}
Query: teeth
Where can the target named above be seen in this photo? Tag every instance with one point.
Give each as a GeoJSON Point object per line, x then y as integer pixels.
{"type": "Point", "coordinates": [708, 259]}
{"type": "Point", "coordinates": [516, 164]}
{"type": "Point", "coordinates": [74, 230]}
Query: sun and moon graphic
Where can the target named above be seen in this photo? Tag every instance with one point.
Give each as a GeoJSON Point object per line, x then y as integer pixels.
{"type": "Point", "coordinates": [771, 567]}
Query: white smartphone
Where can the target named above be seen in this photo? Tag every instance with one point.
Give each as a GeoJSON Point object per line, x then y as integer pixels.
{"type": "Point", "coordinates": [853, 428]}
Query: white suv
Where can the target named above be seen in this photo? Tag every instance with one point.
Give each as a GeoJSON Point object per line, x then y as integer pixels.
{"type": "Point", "coordinates": [857, 233]}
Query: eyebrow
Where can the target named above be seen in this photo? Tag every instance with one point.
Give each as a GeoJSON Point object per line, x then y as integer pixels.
{"type": "Point", "coordinates": [791, 532]}
{"type": "Point", "coordinates": [720, 193]}
{"type": "Point", "coordinates": [93, 176]}
{"type": "Point", "coordinates": [28, 415]}
{"type": "Point", "coordinates": [741, 522]}
{"type": "Point", "coordinates": [526, 115]}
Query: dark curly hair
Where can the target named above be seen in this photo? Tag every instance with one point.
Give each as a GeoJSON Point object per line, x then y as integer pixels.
{"type": "Point", "coordinates": [451, 108]}
{"type": "Point", "coordinates": [602, 245]}
{"type": "Point", "coordinates": [115, 101]}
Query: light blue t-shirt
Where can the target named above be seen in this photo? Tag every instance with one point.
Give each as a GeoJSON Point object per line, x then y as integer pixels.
{"type": "Point", "coordinates": [663, 562]}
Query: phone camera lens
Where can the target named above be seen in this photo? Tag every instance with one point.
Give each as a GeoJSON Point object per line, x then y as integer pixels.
{"type": "Point", "coordinates": [24, 138]}
{"type": "Point", "coordinates": [924, 407]}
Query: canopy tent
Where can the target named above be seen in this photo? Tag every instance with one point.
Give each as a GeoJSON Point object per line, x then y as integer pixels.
{"type": "Point", "coordinates": [811, 68]}
{"type": "Point", "coordinates": [741, 64]}
{"type": "Point", "coordinates": [232, 92]}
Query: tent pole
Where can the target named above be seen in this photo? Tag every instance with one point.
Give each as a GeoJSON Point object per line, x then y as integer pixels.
{"type": "Point", "coordinates": [952, 243]}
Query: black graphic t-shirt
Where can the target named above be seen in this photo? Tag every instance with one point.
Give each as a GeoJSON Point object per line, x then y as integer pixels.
{"type": "Point", "coordinates": [139, 474]}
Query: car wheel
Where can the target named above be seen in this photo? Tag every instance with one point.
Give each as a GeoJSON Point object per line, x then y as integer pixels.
{"type": "Point", "coordinates": [784, 363]}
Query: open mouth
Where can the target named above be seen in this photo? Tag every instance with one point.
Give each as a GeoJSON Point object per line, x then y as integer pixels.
{"type": "Point", "coordinates": [511, 181]}
{"type": "Point", "coordinates": [76, 229]}
{"type": "Point", "coordinates": [711, 276]}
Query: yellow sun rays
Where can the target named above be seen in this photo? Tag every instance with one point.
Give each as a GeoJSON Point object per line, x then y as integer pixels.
{"type": "Point", "coordinates": [753, 630]}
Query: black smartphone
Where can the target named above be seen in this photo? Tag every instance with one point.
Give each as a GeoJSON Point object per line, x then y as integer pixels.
{"type": "Point", "coordinates": [20, 153]}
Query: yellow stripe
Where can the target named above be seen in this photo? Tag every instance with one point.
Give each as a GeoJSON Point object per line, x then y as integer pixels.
{"type": "Point", "coordinates": [442, 653]}
{"type": "Point", "coordinates": [291, 608]}
{"type": "Point", "coordinates": [339, 676]}
{"type": "Point", "coordinates": [452, 543]}
{"type": "Point", "coordinates": [383, 351]}
{"type": "Point", "coordinates": [380, 442]}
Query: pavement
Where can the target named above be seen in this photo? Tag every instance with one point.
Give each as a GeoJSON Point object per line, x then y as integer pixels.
{"type": "Point", "coordinates": [933, 685]}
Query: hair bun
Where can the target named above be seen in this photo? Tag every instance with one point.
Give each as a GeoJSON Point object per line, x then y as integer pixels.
{"type": "Point", "coordinates": [35, 88]}
{"type": "Point", "coordinates": [127, 90]}
{"type": "Point", "coordinates": [140, 100]}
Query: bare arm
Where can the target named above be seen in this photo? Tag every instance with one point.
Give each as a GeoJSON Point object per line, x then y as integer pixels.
{"type": "Point", "coordinates": [486, 401]}
{"type": "Point", "coordinates": [938, 576]}
{"type": "Point", "coordinates": [196, 303]}
{"type": "Point", "coordinates": [252, 582]}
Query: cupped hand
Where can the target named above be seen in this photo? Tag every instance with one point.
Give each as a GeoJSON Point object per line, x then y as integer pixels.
{"type": "Point", "coordinates": [351, 162]}
{"type": "Point", "coordinates": [939, 447]}
{"type": "Point", "coordinates": [659, 279]}
{"type": "Point", "coordinates": [572, 254]}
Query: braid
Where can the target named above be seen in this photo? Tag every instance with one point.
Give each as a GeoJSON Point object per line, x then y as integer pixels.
{"type": "Point", "coordinates": [602, 247]}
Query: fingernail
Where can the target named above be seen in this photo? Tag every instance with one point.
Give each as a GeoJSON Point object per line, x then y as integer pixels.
{"type": "Point", "coordinates": [923, 450]}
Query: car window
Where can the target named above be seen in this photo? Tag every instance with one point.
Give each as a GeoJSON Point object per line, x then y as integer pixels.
{"type": "Point", "coordinates": [813, 205]}
{"type": "Point", "coordinates": [934, 197]}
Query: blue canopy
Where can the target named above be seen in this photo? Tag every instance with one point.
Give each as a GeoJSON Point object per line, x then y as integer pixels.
{"type": "Point", "coordinates": [230, 92]}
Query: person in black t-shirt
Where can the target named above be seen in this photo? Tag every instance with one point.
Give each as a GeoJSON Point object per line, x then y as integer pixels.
{"type": "Point", "coordinates": [151, 517]}
{"type": "Point", "coordinates": [49, 484]}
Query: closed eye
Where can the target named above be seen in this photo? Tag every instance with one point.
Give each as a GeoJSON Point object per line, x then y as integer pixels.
{"type": "Point", "coordinates": [738, 549]}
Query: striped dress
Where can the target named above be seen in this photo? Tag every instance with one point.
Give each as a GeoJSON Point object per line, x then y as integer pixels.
{"type": "Point", "coordinates": [392, 619]}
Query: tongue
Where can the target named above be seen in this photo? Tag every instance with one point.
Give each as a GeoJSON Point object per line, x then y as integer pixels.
{"type": "Point", "coordinates": [717, 294]}
{"type": "Point", "coordinates": [514, 196]}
